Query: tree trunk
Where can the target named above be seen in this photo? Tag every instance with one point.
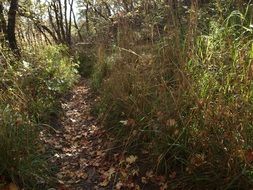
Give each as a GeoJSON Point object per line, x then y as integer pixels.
{"type": "Point", "coordinates": [2, 24]}
{"type": "Point", "coordinates": [69, 26]}
{"type": "Point", "coordinates": [87, 18]}
{"type": "Point", "coordinates": [11, 37]}
{"type": "Point", "coordinates": [2, 19]}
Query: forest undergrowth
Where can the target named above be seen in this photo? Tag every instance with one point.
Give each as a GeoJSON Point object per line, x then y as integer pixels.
{"type": "Point", "coordinates": [174, 106]}
{"type": "Point", "coordinates": [182, 101]}
{"type": "Point", "coordinates": [29, 101]}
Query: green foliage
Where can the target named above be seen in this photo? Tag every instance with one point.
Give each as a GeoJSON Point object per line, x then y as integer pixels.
{"type": "Point", "coordinates": [86, 64]}
{"type": "Point", "coordinates": [100, 72]}
{"type": "Point", "coordinates": [29, 92]}
{"type": "Point", "coordinates": [53, 74]}
{"type": "Point", "coordinates": [221, 80]}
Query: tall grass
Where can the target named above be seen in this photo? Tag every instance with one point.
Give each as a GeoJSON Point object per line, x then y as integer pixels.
{"type": "Point", "coordinates": [187, 98]}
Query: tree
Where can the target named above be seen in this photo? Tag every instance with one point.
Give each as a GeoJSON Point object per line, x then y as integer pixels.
{"type": "Point", "coordinates": [60, 18]}
{"type": "Point", "coordinates": [7, 29]}
{"type": "Point", "coordinates": [2, 21]}
{"type": "Point", "coordinates": [11, 36]}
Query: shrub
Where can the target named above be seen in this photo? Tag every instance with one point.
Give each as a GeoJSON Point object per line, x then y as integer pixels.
{"type": "Point", "coordinates": [52, 73]}
{"type": "Point", "coordinates": [86, 59]}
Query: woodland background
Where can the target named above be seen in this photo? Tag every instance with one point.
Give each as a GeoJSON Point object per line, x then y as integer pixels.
{"type": "Point", "coordinates": [174, 80]}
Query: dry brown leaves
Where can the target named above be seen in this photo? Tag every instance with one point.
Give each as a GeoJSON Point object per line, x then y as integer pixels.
{"type": "Point", "coordinates": [81, 151]}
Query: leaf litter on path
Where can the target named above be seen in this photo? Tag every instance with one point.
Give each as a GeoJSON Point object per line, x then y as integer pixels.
{"type": "Point", "coordinates": [80, 148]}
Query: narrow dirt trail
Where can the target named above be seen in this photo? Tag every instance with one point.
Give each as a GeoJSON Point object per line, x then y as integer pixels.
{"type": "Point", "coordinates": [82, 151]}
{"type": "Point", "coordinates": [77, 143]}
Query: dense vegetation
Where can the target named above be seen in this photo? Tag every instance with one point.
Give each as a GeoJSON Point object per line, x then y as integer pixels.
{"type": "Point", "coordinates": [174, 80]}
{"type": "Point", "coordinates": [29, 90]}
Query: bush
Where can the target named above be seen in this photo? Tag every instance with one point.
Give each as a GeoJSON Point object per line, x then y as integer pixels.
{"type": "Point", "coordinates": [86, 59]}
{"type": "Point", "coordinates": [52, 73]}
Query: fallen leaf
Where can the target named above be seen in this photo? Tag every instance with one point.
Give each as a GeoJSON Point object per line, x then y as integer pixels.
{"type": "Point", "coordinates": [135, 172]}
{"type": "Point", "coordinates": [164, 186]}
{"type": "Point", "coordinates": [11, 186]}
{"type": "Point", "coordinates": [131, 122]}
{"type": "Point", "coordinates": [249, 156]}
{"type": "Point", "coordinates": [131, 159]}
{"type": "Point", "coordinates": [199, 159]}
{"type": "Point", "coordinates": [171, 122]}
{"type": "Point", "coordinates": [123, 122]}
{"type": "Point", "coordinates": [119, 185]}
{"type": "Point", "coordinates": [144, 180]}
{"type": "Point", "coordinates": [109, 173]}
{"type": "Point", "coordinates": [104, 183]}
{"type": "Point", "coordinates": [173, 175]}
{"type": "Point", "coordinates": [150, 174]}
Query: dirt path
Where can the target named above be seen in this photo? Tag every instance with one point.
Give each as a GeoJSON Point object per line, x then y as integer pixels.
{"type": "Point", "coordinates": [79, 148]}
{"type": "Point", "coordinates": [81, 151]}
